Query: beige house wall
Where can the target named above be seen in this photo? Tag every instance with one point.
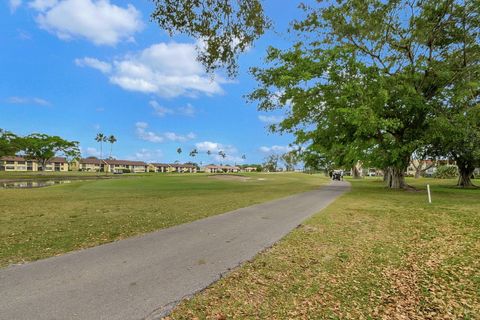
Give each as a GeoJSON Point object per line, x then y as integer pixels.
{"type": "Point", "coordinates": [89, 167]}
{"type": "Point", "coordinates": [31, 165]}
{"type": "Point", "coordinates": [10, 165]}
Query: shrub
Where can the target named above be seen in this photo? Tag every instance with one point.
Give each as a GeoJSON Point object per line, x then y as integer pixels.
{"type": "Point", "coordinates": [446, 172]}
{"type": "Point", "coordinates": [126, 170]}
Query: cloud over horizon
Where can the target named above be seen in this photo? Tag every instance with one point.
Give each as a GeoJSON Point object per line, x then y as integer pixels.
{"type": "Point", "coordinates": [271, 119]}
{"type": "Point", "coordinates": [142, 132]}
{"type": "Point", "coordinates": [166, 69]}
{"type": "Point", "coordinates": [98, 21]}
{"type": "Point", "coordinates": [276, 149]}
{"type": "Point", "coordinates": [28, 100]}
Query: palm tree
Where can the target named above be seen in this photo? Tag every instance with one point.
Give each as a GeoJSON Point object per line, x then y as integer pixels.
{"type": "Point", "coordinates": [101, 138]}
{"type": "Point", "coordinates": [193, 153]}
{"type": "Point", "coordinates": [112, 140]}
{"type": "Point", "coordinates": [179, 151]}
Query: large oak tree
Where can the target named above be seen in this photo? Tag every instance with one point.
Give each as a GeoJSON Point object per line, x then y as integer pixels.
{"type": "Point", "coordinates": [365, 80]}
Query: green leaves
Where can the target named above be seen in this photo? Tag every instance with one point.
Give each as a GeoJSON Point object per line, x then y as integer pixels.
{"type": "Point", "coordinates": [43, 147]}
{"type": "Point", "coordinates": [369, 78]}
{"type": "Point", "coordinates": [10, 143]}
{"type": "Point", "coordinates": [225, 28]}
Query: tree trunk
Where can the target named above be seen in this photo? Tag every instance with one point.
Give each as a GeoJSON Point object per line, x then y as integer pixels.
{"type": "Point", "coordinates": [386, 175]}
{"type": "Point", "coordinates": [418, 172]}
{"type": "Point", "coordinates": [355, 173]}
{"type": "Point", "coordinates": [465, 173]}
{"type": "Point", "coordinates": [44, 164]}
{"type": "Point", "coordinates": [395, 178]}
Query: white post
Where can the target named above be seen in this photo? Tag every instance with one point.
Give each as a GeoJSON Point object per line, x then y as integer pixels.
{"type": "Point", "coordinates": [429, 195]}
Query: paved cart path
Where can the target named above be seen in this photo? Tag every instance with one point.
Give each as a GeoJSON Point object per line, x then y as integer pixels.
{"type": "Point", "coordinates": [143, 277]}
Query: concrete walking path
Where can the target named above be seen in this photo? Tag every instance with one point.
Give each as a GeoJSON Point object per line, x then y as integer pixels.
{"type": "Point", "coordinates": [145, 276]}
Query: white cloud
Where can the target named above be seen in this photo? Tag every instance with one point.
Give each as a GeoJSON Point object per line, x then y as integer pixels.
{"type": "Point", "coordinates": [42, 5]}
{"type": "Point", "coordinates": [166, 69]}
{"type": "Point", "coordinates": [28, 100]}
{"type": "Point", "coordinates": [147, 155]}
{"type": "Point", "coordinates": [23, 35]}
{"type": "Point", "coordinates": [14, 4]}
{"type": "Point", "coordinates": [92, 152]}
{"type": "Point", "coordinates": [98, 21]}
{"type": "Point", "coordinates": [187, 110]}
{"type": "Point", "coordinates": [270, 119]}
{"type": "Point", "coordinates": [144, 134]}
{"type": "Point", "coordinates": [276, 149]}
{"type": "Point", "coordinates": [101, 66]}
{"type": "Point", "coordinates": [172, 136]}
{"type": "Point", "coordinates": [162, 111]}
{"type": "Point", "coordinates": [214, 147]}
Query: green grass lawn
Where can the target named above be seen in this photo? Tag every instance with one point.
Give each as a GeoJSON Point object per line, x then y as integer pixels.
{"type": "Point", "coordinates": [373, 254]}
{"type": "Point", "coordinates": [43, 222]}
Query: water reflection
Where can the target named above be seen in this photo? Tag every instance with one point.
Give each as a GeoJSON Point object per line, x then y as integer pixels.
{"type": "Point", "coordinates": [30, 184]}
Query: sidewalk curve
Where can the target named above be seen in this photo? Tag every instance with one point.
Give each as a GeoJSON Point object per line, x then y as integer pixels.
{"type": "Point", "coordinates": [145, 276]}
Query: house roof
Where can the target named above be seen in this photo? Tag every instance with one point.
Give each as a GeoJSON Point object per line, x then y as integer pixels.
{"type": "Point", "coordinates": [160, 164]}
{"type": "Point", "coordinates": [18, 158]}
{"type": "Point", "coordinates": [185, 165]}
{"type": "Point", "coordinates": [221, 167]}
{"type": "Point", "coordinates": [12, 158]}
{"type": "Point", "coordinates": [91, 161]}
{"type": "Point", "coordinates": [173, 165]}
{"type": "Point", "coordinates": [57, 159]}
{"type": "Point", "coordinates": [125, 162]}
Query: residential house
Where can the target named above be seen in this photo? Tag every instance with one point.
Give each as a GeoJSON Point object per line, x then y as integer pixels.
{"type": "Point", "coordinates": [123, 165]}
{"type": "Point", "coordinates": [426, 167]}
{"type": "Point", "coordinates": [183, 168]}
{"type": "Point", "coordinates": [17, 163]}
{"type": "Point", "coordinates": [220, 169]}
{"type": "Point", "coordinates": [250, 169]}
{"type": "Point", "coordinates": [57, 164]}
{"type": "Point", "coordinates": [173, 167]}
{"type": "Point", "coordinates": [91, 164]}
{"type": "Point", "coordinates": [159, 167]}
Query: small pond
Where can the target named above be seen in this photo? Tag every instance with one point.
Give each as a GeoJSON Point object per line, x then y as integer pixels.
{"type": "Point", "coordinates": [30, 184]}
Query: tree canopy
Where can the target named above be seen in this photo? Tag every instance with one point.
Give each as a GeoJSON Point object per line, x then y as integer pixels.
{"type": "Point", "coordinates": [368, 80]}
{"type": "Point", "coordinates": [43, 147]}
{"type": "Point", "coordinates": [10, 143]}
{"type": "Point", "coordinates": [224, 28]}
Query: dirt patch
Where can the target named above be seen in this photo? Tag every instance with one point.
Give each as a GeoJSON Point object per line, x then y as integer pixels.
{"type": "Point", "coordinates": [229, 177]}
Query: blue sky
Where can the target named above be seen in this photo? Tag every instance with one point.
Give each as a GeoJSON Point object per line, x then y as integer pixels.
{"type": "Point", "coordinates": [78, 67]}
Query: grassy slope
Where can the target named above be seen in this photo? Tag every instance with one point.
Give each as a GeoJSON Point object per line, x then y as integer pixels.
{"type": "Point", "coordinates": [38, 223]}
{"type": "Point", "coordinates": [373, 254]}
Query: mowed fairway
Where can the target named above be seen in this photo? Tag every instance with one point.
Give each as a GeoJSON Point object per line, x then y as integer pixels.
{"type": "Point", "coordinates": [43, 222]}
{"type": "Point", "coordinates": [373, 254]}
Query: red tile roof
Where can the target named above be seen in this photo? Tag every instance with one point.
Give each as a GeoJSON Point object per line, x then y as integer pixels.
{"type": "Point", "coordinates": [91, 161]}
{"type": "Point", "coordinates": [125, 163]}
